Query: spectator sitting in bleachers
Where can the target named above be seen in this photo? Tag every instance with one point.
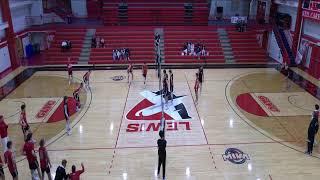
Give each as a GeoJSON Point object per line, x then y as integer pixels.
{"type": "Point", "coordinates": [192, 49]}
{"type": "Point", "coordinates": [121, 54]}
{"type": "Point", "coordinates": [66, 45]}
{"type": "Point", "coordinates": [102, 42]}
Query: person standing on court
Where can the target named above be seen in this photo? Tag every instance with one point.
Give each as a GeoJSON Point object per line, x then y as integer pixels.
{"type": "Point", "coordinates": [23, 121]}
{"type": "Point", "coordinates": [144, 72]}
{"type": "Point", "coordinates": [28, 150]}
{"type": "Point", "coordinates": [3, 133]}
{"type": "Point", "coordinates": [312, 131]}
{"type": "Point", "coordinates": [171, 84]}
{"type": "Point", "coordinates": [61, 171]}
{"type": "Point", "coordinates": [162, 144]}
{"type": "Point", "coordinates": [66, 115]}
{"type": "Point", "coordinates": [10, 160]}
{"type": "Point", "coordinates": [201, 77]}
{"type": "Point", "coordinates": [45, 163]}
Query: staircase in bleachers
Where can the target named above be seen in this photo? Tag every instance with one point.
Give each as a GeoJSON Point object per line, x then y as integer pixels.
{"type": "Point", "coordinates": [54, 54]}
{"type": "Point", "coordinates": [245, 47]}
{"type": "Point", "coordinates": [175, 37]}
{"type": "Point", "coordinates": [140, 42]}
{"type": "Point", "coordinates": [155, 12]}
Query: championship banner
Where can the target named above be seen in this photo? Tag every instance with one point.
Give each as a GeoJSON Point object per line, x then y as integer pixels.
{"type": "Point", "coordinates": [304, 45]}
{"type": "Point", "coordinates": [311, 9]}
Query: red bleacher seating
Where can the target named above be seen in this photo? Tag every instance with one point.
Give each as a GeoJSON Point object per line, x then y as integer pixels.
{"type": "Point", "coordinates": [140, 41]}
{"type": "Point", "coordinates": [155, 12]}
{"type": "Point", "coordinates": [246, 48]}
{"type": "Point", "coordinates": [54, 54]}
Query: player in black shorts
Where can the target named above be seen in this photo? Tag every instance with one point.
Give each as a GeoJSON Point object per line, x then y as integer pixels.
{"type": "Point", "coordinates": [200, 77]}
{"type": "Point", "coordinates": [171, 84]}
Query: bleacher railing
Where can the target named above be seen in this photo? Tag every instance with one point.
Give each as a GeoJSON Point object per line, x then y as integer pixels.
{"type": "Point", "coordinates": [40, 20]}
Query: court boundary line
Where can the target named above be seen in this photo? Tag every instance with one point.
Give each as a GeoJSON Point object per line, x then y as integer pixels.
{"type": "Point", "coordinates": [169, 146]}
{"type": "Point", "coordinates": [118, 134]}
{"type": "Point", "coordinates": [194, 103]}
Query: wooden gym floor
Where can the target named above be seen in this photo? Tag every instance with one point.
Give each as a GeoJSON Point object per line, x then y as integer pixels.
{"type": "Point", "coordinates": [115, 135]}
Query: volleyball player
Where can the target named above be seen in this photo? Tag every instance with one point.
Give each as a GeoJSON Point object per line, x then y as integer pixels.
{"type": "Point", "coordinates": [28, 150]}
{"type": "Point", "coordinates": [66, 115]}
{"type": "Point", "coordinates": [196, 87]}
{"type": "Point", "coordinates": [45, 163]}
{"type": "Point", "coordinates": [144, 72]}
{"type": "Point", "coordinates": [10, 160]}
{"type": "Point", "coordinates": [285, 71]}
{"type": "Point", "coordinates": [69, 67]}
{"type": "Point", "coordinates": [165, 89]}
{"type": "Point", "coordinates": [171, 84]}
{"type": "Point", "coordinates": [23, 121]}
{"type": "Point", "coordinates": [130, 71]}
{"type": "Point", "coordinates": [201, 77]}
{"type": "Point", "coordinates": [86, 79]}
{"type": "Point", "coordinates": [77, 97]}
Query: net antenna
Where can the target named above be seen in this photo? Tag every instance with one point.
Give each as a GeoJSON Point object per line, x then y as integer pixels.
{"type": "Point", "coordinates": [159, 67]}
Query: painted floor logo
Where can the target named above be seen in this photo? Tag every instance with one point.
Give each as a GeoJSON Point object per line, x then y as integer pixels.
{"type": "Point", "coordinates": [149, 109]}
{"type": "Point", "coordinates": [235, 156]}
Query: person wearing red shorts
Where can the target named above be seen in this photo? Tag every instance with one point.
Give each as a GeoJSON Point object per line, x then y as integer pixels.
{"type": "Point", "coordinates": [28, 150]}
{"type": "Point", "coordinates": [75, 175]}
{"type": "Point", "coordinates": [23, 122]}
{"type": "Point", "coordinates": [144, 72]}
{"type": "Point", "coordinates": [10, 160]}
{"type": "Point", "coordinates": [196, 87]}
{"type": "Point", "coordinates": [45, 163]}
{"type": "Point", "coordinates": [69, 67]}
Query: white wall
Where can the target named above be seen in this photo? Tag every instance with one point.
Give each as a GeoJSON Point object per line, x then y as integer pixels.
{"type": "Point", "coordinates": [18, 15]}
{"type": "Point", "coordinates": [273, 48]}
{"type": "Point", "coordinates": [292, 11]}
{"type": "Point", "coordinates": [79, 8]}
{"type": "Point", "coordinates": [311, 28]}
{"type": "Point", "coordinates": [5, 59]}
{"type": "Point", "coordinates": [36, 8]}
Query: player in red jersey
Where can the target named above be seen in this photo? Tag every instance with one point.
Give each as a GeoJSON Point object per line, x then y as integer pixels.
{"type": "Point", "coordinates": [69, 67]}
{"type": "Point", "coordinates": [45, 163]}
{"type": "Point", "coordinates": [196, 87]}
{"type": "Point", "coordinates": [2, 177]}
{"type": "Point", "coordinates": [3, 133]}
{"type": "Point", "coordinates": [144, 72]}
{"type": "Point", "coordinates": [77, 97]}
{"type": "Point", "coordinates": [28, 150]}
{"type": "Point", "coordinates": [75, 175]}
{"type": "Point", "coordinates": [23, 121]}
{"type": "Point", "coordinates": [86, 78]}
{"type": "Point", "coordinates": [130, 71]}
{"type": "Point", "coordinates": [10, 160]}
